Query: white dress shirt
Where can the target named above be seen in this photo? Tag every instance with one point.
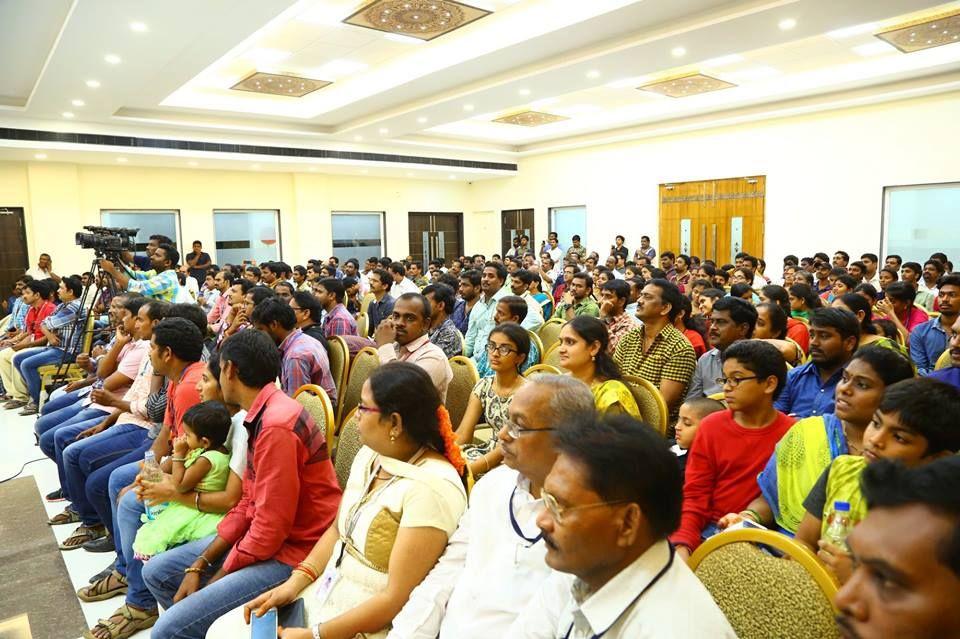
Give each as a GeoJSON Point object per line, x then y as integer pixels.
{"type": "Point", "coordinates": [675, 605]}
{"type": "Point", "coordinates": [406, 285]}
{"type": "Point", "coordinates": [534, 316]}
{"type": "Point", "coordinates": [487, 574]}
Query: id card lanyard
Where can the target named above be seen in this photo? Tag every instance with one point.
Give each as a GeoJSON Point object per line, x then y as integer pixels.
{"type": "Point", "coordinates": [516, 526]}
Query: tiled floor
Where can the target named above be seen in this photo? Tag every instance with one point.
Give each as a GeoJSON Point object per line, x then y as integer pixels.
{"type": "Point", "coordinates": [18, 447]}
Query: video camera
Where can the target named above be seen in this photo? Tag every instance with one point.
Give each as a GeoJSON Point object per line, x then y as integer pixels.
{"type": "Point", "coordinates": [108, 241]}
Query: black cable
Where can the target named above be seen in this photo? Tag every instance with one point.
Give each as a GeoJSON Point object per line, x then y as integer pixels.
{"type": "Point", "coordinates": [22, 468]}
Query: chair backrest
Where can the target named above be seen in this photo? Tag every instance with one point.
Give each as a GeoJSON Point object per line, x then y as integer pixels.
{"type": "Point", "coordinates": [549, 332]}
{"type": "Point", "coordinates": [348, 445]}
{"type": "Point", "coordinates": [943, 361]}
{"type": "Point", "coordinates": [465, 377]}
{"type": "Point", "coordinates": [763, 595]}
{"type": "Point", "coordinates": [542, 369]}
{"type": "Point", "coordinates": [552, 356]}
{"type": "Point", "coordinates": [929, 313]}
{"type": "Point", "coordinates": [363, 324]}
{"type": "Point", "coordinates": [363, 364]}
{"type": "Point", "coordinates": [318, 404]}
{"type": "Point", "coordinates": [653, 408]}
{"type": "Point", "coordinates": [88, 332]}
{"type": "Point", "coordinates": [365, 302]}
{"type": "Point", "coordinates": [535, 340]}
{"type": "Point", "coordinates": [5, 322]}
{"type": "Point", "coordinates": [339, 355]}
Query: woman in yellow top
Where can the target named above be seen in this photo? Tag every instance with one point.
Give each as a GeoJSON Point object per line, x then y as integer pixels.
{"type": "Point", "coordinates": [402, 501]}
{"type": "Point", "coordinates": [583, 352]}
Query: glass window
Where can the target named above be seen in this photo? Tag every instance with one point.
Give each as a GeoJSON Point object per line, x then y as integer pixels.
{"type": "Point", "coordinates": [150, 222]}
{"type": "Point", "coordinates": [243, 235]}
{"type": "Point", "coordinates": [568, 221]}
{"type": "Point", "coordinates": [357, 234]}
{"type": "Point", "coordinates": [920, 220]}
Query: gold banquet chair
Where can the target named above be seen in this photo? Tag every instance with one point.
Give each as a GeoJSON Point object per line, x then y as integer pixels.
{"type": "Point", "coordinates": [764, 596]}
{"type": "Point", "coordinates": [364, 363]}
{"type": "Point", "coordinates": [653, 408]}
{"type": "Point", "coordinates": [552, 356]}
{"type": "Point", "coordinates": [549, 332]}
{"type": "Point", "coordinates": [318, 404]}
{"type": "Point", "coordinates": [541, 369]}
{"type": "Point", "coordinates": [535, 341]}
{"type": "Point", "coordinates": [339, 355]}
{"type": "Point", "coordinates": [348, 445]}
{"type": "Point", "coordinates": [465, 377]}
{"type": "Point", "coordinates": [943, 361]}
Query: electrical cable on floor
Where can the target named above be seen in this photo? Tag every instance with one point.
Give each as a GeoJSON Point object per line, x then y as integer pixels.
{"type": "Point", "coordinates": [22, 468]}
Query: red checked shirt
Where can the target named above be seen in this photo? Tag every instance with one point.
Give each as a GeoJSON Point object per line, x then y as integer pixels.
{"type": "Point", "coordinates": [290, 491]}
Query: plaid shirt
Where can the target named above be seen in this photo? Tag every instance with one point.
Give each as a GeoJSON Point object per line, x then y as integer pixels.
{"type": "Point", "coordinates": [670, 356]}
{"type": "Point", "coordinates": [305, 362]}
{"type": "Point", "coordinates": [160, 286]}
{"type": "Point", "coordinates": [448, 338]}
{"type": "Point", "coordinates": [63, 322]}
{"type": "Point", "coordinates": [339, 322]}
{"type": "Point", "coordinates": [19, 312]}
{"type": "Point", "coordinates": [618, 327]}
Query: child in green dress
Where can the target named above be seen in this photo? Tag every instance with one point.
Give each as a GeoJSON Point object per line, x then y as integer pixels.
{"type": "Point", "coordinates": [201, 463]}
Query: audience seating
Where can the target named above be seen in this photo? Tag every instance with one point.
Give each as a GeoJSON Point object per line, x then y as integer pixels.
{"type": "Point", "coordinates": [363, 324]}
{"type": "Point", "coordinates": [551, 357]}
{"type": "Point", "coordinates": [70, 372]}
{"type": "Point", "coordinates": [542, 369]}
{"type": "Point", "coordinates": [339, 355]}
{"type": "Point", "coordinates": [763, 595]}
{"type": "Point", "coordinates": [465, 377]}
{"type": "Point", "coordinates": [363, 364]}
{"type": "Point", "coordinates": [318, 404]}
{"type": "Point", "coordinates": [535, 340]}
{"type": "Point", "coordinates": [653, 408]}
{"type": "Point", "coordinates": [348, 445]}
{"type": "Point", "coordinates": [943, 361]}
{"type": "Point", "coordinates": [549, 332]}
{"type": "Point", "coordinates": [365, 302]}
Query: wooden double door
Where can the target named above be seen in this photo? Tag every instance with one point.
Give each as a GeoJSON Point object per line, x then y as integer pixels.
{"type": "Point", "coordinates": [713, 219]}
{"type": "Point", "coordinates": [514, 223]}
{"type": "Point", "coordinates": [435, 236]}
{"type": "Point", "coordinates": [13, 257]}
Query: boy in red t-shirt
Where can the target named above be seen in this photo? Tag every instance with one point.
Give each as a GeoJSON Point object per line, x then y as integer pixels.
{"type": "Point", "coordinates": [733, 446]}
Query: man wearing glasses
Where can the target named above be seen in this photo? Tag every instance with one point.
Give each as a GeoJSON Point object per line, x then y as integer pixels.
{"type": "Point", "coordinates": [493, 564]}
{"type": "Point", "coordinates": [611, 499]}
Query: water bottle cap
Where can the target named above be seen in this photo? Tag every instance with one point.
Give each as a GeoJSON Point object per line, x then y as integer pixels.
{"type": "Point", "coordinates": [842, 506]}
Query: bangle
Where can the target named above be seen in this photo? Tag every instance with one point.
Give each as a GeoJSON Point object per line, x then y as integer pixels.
{"type": "Point", "coordinates": [754, 515]}
{"type": "Point", "coordinates": [204, 559]}
{"type": "Point", "coordinates": [316, 632]}
{"type": "Point", "coordinates": [178, 459]}
{"type": "Point", "coordinates": [198, 503]}
{"type": "Point", "coordinates": [187, 571]}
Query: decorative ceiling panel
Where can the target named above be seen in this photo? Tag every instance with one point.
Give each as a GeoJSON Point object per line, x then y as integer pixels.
{"type": "Point", "coordinates": [531, 118]}
{"type": "Point", "coordinates": [925, 33]}
{"type": "Point", "coordinates": [687, 85]}
{"type": "Point", "coordinates": [290, 86]}
{"type": "Point", "coordinates": [423, 19]}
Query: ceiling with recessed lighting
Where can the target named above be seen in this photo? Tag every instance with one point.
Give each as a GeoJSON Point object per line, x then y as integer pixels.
{"type": "Point", "coordinates": [471, 80]}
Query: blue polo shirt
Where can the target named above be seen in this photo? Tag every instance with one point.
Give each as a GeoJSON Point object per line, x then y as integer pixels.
{"type": "Point", "coordinates": [804, 395]}
{"type": "Point", "coordinates": [949, 375]}
{"type": "Point", "coordinates": [927, 343]}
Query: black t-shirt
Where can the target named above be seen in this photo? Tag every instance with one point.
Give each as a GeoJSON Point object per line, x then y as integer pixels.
{"type": "Point", "coordinates": [199, 270]}
{"type": "Point", "coordinates": [622, 251]}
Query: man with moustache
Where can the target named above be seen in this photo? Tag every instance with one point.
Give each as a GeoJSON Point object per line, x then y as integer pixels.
{"type": "Point", "coordinates": [731, 320]}
{"type": "Point", "coordinates": [611, 499]}
{"type": "Point", "coordinates": [951, 374]}
{"type": "Point", "coordinates": [493, 564]}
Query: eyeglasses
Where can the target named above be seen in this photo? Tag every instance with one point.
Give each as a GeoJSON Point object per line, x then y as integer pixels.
{"type": "Point", "coordinates": [557, 511]}
{"type": "Point", "coordinates": [503, 350]}
{"type": "Point", "coordinates": [514, 430]}
{"type": "Point", "coordinates": [366, 409]}
{"type": "Point", "coordinates": [734, 381]}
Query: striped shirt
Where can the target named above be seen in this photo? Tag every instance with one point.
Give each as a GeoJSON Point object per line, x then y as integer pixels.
{"type": "Point", "coordinates": [339, 322]}
{"type": "Point", "coordinates": [305, 362]}
{"type": "Point", "coordinates": [65, 323]}
{"type": "Point", "coordinates": [160, 286]}
{"type": "Point", "coordinates": [670, 356]}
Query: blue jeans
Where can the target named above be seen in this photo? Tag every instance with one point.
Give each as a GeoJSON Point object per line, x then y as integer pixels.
{"type": "Point", "coordinates": [57, 439]}
{"type": "Point", "coordinates": [126, 525]}
{"type": "Point", "coordinates": [83, 457]}
{"type": "Point", "coordinates": [28, 363]}
{"type": "Point", "coordinates": [58, 411]}
{"type": "Point", "coordinates": [191, 617]}
{"type": "Point", "coordinates": [98, 486]}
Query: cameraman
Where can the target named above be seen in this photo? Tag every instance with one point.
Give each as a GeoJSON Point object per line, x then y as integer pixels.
{"type": "Point", "coordinates": [161, 283]}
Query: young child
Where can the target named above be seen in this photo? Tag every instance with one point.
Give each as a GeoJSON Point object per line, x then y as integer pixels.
{"type": "Point", "coordinates": [691, 413]}
{"type": "Point", "coordinates": [733, 446]}
{"type": "Point", "coordinates": [915, 424]}
{"type": "Point", "coordinates": [201, 463]}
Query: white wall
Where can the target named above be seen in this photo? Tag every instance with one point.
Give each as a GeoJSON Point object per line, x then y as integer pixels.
{"type": "Point", "coordinates": [825, 175]}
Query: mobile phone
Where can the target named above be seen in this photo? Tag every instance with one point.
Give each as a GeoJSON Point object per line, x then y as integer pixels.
{"type": "Point", "coordinates": [264, 627]}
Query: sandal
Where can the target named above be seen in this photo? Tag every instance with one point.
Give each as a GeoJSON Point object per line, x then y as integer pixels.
{"type": "Point", "coordinates": [82, 535]}
{"type": "Point", "coordinates": [107, 587]}
{"type": "Point", "coordinates": [122, 624]}
{"type": "Point", "coordinates": [68, 516]}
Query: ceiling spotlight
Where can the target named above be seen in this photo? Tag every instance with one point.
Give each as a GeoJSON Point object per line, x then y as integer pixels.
{"type": "Point", "coordinates": [678, 52]}
{"type": "Point", "coordinates": [122, 160]}
{"type": "Point", "coordinates": [139, 27]}
{"type": "Point", "coordinates": [384, 130]}
{"type": "Point", "coordinates": [422, 120]}
{"type": "Point", "coordinates": [93, 84]}
{"type": "Point", "coordinates": [468, 107]}
{"type": "Point", "coordinates": [524, 92]}
{"type": "Point", "coordinates": [787, 23]}
{"type": "Point", "coordinates": [40, 156]}
{"type": "Point", "coordinates": [452, 177]}
{"type": "Point", "coordinates": [112, 58]}
{"type": "Point", "coordinates": [77, 103]}
{"type": "Point", "coordinates": [593, 74]}
{"type": "Point", "coordinates": [67, 114]}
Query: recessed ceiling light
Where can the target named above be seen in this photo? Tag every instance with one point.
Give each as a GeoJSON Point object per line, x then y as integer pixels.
{"type": "Point", "coordinates": [77, 103]}
{"type": "Point", "coordinates": [384, 130]}
{"type": "Point", "coordinates": [193, 163]}
{"type": "Point", "coordinates": [358, 138]}
{"type": "Point", "coordinates": [524, 91]}
{"type": "Point", "coordinates": [593, 74]}
{"type": "Point", "coordinates": [121, 160]}
{"type": "Point", "coordinates": [786, 24]}
{"type": "Point", "coordinates": [468, 107]}
{"type": "Point", "coordinates": [112, 58]}
{"type": "Point", "coordinates": [452, 177]}
{"type": "Point", "coordinates": [139, 27]}
{"type": "Point", "coordinates": [422, 120]}
{"type": "Point", "coordinates": [67, 114]}
{"type": "Point", "coordinates": [93, 84]}
{"type": "Point", "coordinates": [40, 156]}
{"type": "Point", "coordinates": [678, 52]}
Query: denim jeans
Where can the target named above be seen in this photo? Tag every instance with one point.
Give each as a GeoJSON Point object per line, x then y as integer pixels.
{"type": "Point", "coordinates": [128, 513]}
{"type": "Point", "coordinates": [98, 486]}
{"type": "Point", "coordinates": [57, 411]}
{"type": "Point", "coordinates": [28, 364]}
{"type": "Point", "coordinates": [55, 440]}
{"type": "Point", "coordinates": [191, 617]}
{"type": "Point", "coordinates": [83, 457]}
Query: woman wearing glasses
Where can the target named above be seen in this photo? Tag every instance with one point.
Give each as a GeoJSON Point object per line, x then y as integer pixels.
{"type": "Point", "coordinates": [402, 501]}
{"type": "Point", "coordinates": [583, 352]}
{"type": "Point", "coordinates": [507, 348]}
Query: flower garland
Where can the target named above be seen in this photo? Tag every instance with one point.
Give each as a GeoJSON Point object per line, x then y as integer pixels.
{"type": "Point", "coordinates": [451, 450]}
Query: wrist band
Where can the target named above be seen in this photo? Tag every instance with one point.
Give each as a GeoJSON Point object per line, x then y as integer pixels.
{"type": "Point", "coordinates": [198, 503]}
{"type": "Point", "coordinates": [178, 459]}
{"type": "Point", "coordinates": [753, 515]}
{"type": "Point", "coordinates": [205, 560]}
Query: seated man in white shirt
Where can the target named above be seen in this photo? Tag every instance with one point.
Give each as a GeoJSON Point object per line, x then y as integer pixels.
{"type": "Point", "coordinates": [493, 563]}
{"type": "Point", "coordinates": [401, 283]}
{"type": "Point", "coordinates": [611, 499]}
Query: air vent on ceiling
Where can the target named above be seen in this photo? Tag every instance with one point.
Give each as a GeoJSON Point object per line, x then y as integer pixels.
{"type": "Point", "coordinates": [687, 85]}
{"type": "Point", "coordinates": [290, 86]}
{"type": "Point", "coordinates": [924, 33]}
{"type": "Point", "coordinates": [423, 19]}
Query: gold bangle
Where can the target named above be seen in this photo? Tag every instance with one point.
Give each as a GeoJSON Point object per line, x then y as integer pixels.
{"type": "Point", "coordinates": [187, 571]}
{"type": "Point", "coordinates": [204, 559]}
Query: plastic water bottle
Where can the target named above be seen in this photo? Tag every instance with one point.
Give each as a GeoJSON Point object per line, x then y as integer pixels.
{"type": "Point", "coordinates": [151, 472]}
{"type": "Point", "coordinates": [839, 525]}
